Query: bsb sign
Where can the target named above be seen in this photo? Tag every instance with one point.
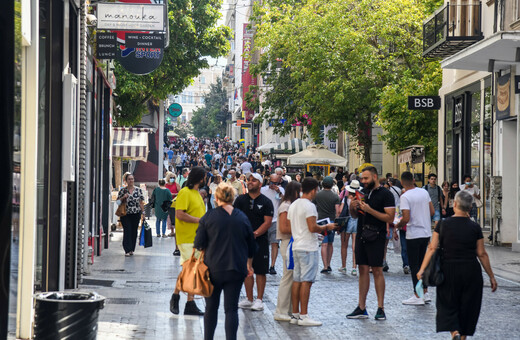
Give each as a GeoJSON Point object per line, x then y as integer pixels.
{"type": "Point", "coordinates": [424, 103]}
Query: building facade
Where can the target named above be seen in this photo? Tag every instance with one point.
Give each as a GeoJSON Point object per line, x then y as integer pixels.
{"type": "Point", "coordinates": [478, 126]}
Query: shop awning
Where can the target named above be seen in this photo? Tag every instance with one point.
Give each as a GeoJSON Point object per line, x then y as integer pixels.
{"type": "Point", "coordinates": [492, 54]}
{"type": "Point", "coordinates": [130, 143]}
{"type": "Point", "coordinates": [294, 145]}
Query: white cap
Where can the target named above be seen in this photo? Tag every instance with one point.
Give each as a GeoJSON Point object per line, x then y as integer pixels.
{"type": "Point", "coordinates": [257, 176]}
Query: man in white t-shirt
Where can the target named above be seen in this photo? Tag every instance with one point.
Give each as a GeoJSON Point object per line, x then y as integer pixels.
{"type": "Point", "coordinates": [302, 216]}
{"type": "Point", "coordinates": [274, 192]}
{"type": "Point", "coordinates": [417, 210]}
{"type": "Point", "coordinates": [246, 167]}
{"type": "Point", "coordinates": [473, 189]}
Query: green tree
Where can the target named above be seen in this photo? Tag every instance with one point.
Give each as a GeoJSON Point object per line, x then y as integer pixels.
{"type": "Point", "coordinates": [193, 36]}
{"type": "Point", "coordinates": [331, 61]}
{"type": "Point", "coordinates": [210, 120]}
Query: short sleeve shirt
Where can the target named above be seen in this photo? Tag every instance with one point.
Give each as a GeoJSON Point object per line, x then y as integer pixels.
{"type": "Point", "coordinates": [190, 201]}
{"type": "Point", "coordinates": [133, 202]}
{"type": "Point", "coordinates": [326, 201]}
{"type": "Point", "coordinates": [378, 199]}
{"type": "Point", "coordinates": [283, 208]}
{"type": "Point", "coordinates": [299, 211]}
{"type": "Point", "coordinates": [255, 209]}
{"type": "Point", "coordinates": [458, 237]}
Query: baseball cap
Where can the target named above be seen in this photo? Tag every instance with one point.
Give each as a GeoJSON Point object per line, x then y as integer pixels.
{"type": "Point", "coordinates": [328, 181]}
{"type": "Point", "coordinates": [257, 176]}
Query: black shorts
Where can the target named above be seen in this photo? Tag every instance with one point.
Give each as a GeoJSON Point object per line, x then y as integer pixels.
{"type": "Point", "coordinates": [261, 258]}
{"type": "Point", "coordinates": [370, 253]}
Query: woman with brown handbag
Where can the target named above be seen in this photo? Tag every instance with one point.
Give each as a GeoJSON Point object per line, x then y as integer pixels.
{"type": "Point", "coordinates": [133, 198]}
{"type": "Point", "coordinates": [226, 236]}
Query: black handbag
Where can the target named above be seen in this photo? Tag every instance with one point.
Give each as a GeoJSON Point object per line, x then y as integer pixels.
{"type": "Point", "coordinates": [166, 205]}
{"type": "Point", "coordinates": [433, 275]}
{"type": "Point", "coordinates": [146, 235]}
{"type": "Point", "coordinates": [369, 233]}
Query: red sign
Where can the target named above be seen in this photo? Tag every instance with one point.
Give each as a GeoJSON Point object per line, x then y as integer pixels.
{"type": "Point", "coordinates": [247, 78]}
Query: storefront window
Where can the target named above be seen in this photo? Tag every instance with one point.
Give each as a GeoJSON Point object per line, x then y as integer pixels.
{"type": "Point", "coordinates": [487, 156]}
{"type": "Point", "coordinates": [449, 139]}
{"type": "Point", "coordinates": [475, 136]}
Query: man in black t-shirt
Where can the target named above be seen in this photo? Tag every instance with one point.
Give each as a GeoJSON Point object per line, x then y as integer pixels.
{"type": "Point", "coordinates": [259, 210]}
{"type": "Point", "coordinates": [373, 213]}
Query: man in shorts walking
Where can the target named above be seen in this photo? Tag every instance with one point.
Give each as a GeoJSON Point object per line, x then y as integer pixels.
{"type": "Point", "coordinates": [302, 216]}
{"type": "Point", "coordinates": [259, 210]}
{"type": "Point", "coordinates": [374, 211]}
{"type": "Point", "coordinates": [274, 192]}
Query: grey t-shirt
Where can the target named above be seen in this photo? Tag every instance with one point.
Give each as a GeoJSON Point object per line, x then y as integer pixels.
{"type": "Point", "coordinates": [434, 196]}
{"type": "Point", "coordinates": [326, 201]}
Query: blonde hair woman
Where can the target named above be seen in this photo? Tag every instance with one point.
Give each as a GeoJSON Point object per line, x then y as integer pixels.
{"type": "Point", "coordinates": [227, 237]}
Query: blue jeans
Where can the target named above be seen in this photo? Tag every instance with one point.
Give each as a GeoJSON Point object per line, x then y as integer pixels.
{"type": "Point", "coordinates": [404, 251]}
{"type": "Point", "coordinates": [158, 226]}
{"type": "Point", "coordinates": [473, 214]}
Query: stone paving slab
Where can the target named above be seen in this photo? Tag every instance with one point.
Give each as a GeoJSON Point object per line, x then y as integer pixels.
{"type": "Point", "coordinates": [138, 303]}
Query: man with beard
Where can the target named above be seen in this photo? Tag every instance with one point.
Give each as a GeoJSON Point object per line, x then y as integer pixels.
{"type": "Point", "coordinates": [259, 210]}
{"type": "Point", "coordinates": [374, 211]}
{"type": "Point", "coordinates": [188, 211]}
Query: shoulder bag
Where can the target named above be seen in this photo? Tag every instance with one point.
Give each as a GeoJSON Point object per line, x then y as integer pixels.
{"type": "Point", "coordinates": [194, 277]}
{"type": "Point", "coordinates": [121, 209]}
{"type": "Point", "coordinates": [433, 275]}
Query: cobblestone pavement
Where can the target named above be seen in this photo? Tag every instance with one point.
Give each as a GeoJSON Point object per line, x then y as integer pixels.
{"type": "Point", "coordinates": [138, 290]}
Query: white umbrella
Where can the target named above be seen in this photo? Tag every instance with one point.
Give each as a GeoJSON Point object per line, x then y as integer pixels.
{"type": "Point", "coordinates": [266, 148]}
{"type": "Point", "coordinates": [316, 154]}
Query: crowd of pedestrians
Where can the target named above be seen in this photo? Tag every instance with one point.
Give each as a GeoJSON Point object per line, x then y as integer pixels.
{"type": "Point", "coordinates": [222, 197]}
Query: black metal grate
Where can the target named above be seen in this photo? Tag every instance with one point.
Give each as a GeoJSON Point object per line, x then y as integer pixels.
{"type": "Point", "coordinates": [97, 282]}
{"type": "Point", "coordinates": [123, 301]}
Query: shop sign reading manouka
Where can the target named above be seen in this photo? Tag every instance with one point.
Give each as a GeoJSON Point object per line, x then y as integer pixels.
{"type": "Point", "coordinates": [131, 17]}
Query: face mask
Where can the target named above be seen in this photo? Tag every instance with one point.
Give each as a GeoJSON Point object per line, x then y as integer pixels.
{"type": "Point", "coordinates": [468, 183]}
{"type": "Point", "coordinates": [301, 194]}
{"type": "Point", "coordinates": [172, 180]}
{"type": "Point", "coordinates": [229, 176]}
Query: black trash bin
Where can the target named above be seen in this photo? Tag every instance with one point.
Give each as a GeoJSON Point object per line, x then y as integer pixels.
{"type": "Point", "coordinates": [67, 315]}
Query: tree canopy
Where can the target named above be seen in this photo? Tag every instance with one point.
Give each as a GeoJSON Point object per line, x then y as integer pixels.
{"type": "Point", "coordinates": [210, 120]}
{"type": "Point", "coordinates": [193, 37]}
{"type": "Point", "coordinates": [339, 62]}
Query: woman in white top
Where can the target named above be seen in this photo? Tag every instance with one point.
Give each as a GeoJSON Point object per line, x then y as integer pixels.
{"type": "Point", "coordinates": [283, 232]}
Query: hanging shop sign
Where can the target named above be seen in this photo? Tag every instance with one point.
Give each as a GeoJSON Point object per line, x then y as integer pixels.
{"type": "Point", "coordinates": [106, 45]}
{"type": "Point", "coordinates": [503, 101]}
{"type": "Point", "coordinates": [175, 110]}
{"type": "Point", "coordinates": [138, 40]}
{"type": "Point", "coordinates": [131, 17]}
{"type": "Point", "coordinates": [424, 103]}
{"type": "Point", "coordinates": [140, 60]}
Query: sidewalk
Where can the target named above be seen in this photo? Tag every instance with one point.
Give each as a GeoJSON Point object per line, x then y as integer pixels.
{"type": "Point", "coordinates": [138, 291]}
{"type": "Point", "coordinates": [505, 262]}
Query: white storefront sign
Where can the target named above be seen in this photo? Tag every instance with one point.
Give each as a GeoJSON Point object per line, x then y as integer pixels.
{"type": "Point", "coordinates": [130, 17]}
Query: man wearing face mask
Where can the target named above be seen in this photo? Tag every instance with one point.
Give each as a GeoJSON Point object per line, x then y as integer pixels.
{"type": "Point", "coordinates": [188, 211]}
{"type": "Point", "coordinates": [181, 180]}
{"type": "Point", "coordinates": [473, 189]}
{"type": "Point", "coordinates": [373, 212]}
{"type": "Point", "coordinates": [232, 179]}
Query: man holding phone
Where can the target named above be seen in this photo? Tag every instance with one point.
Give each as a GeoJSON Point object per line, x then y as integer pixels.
{"type": "Point", "coordinates": [274, 192]}
{"type": "Point", "coordinates": [377, 209]}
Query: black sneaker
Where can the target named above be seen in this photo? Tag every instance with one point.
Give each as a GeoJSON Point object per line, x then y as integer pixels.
{"type": "Point", "coordinates": [380, 315]}
{"type": "Point", "coordinates": [358, 313]}
{"type": "Point", "coordinates": [174, 303]}
{"type": "Point", "coordinates": [176, 252]}
{"type": "Point", "coordinates": [272, 271]}
{"type": "Point", "coordinates": [385, 266]}
{"type": "Point", "coordinates": [192, 309]}
{"type": "Point", "coordinates": [329, 269]}
{"type": "Point", "coordinates": [324, 271]}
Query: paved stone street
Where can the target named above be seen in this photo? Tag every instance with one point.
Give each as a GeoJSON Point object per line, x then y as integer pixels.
{"type": "Point", "coordinates": [138, 291]}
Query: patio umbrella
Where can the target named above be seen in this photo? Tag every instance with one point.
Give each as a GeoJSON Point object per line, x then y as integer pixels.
{"type": "Point", "coordinates": [316, 154]}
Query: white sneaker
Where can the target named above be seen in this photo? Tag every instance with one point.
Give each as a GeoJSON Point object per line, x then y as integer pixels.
{"type": "Point", "coordinates": [282, 317]}
{"type": "Point", "coordinates": [305, 320]}
{"type": "Point", "coordinates": [245, 304]}
{"type": "Point", "coordinates": [294, 319]}
{"type": "Point", "coordinates": [414, 300]}
{"type": "Point", "coordinates": [258, 305]}
{"type": "Point", "coordinates": [427, 298]}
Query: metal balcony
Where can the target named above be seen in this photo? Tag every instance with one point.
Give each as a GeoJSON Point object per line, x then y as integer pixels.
{"type": "Point", "coordinates": [451, 29]}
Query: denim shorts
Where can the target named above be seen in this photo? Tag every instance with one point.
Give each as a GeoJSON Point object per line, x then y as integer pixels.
{"type": "Point", "coordinates": [437, 215]}
{"type": "Point", "coordinates": [271, 234]}
{"type": "Point", "coordinates": [329, 238]}
{"type": "Point", "coordinates": [351, 226]}
{"type": "Point", "coordinates": [305, 265]}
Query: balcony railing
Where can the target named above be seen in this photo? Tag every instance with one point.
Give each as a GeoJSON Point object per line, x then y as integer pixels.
{"type": "Point", "coordinates": [451, 29]}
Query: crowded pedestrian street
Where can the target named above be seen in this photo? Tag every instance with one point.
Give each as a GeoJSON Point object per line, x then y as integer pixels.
{"type": "Point", "coordinates": [138, 291]}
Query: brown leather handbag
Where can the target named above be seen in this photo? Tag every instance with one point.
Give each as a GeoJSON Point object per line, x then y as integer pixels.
{"type": "Point", "coordinates": [194, 277]}
{"type": "Point", "coordinates": [121, 210]}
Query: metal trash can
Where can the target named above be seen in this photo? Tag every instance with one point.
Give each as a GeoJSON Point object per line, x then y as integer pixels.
{"type": "Point", "coordinates": [67, 315]}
